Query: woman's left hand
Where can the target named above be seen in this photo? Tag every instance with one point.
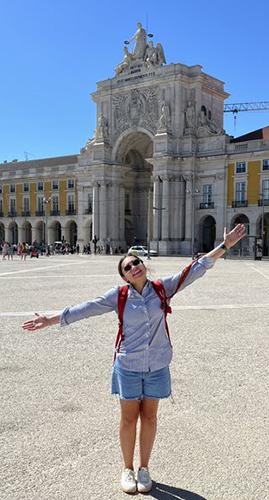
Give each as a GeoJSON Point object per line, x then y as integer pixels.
{"type": "Point", "coordinates": [237, 233]}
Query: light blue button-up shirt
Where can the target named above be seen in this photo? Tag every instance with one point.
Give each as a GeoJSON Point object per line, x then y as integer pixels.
{"type": "Point", "coordinates": [146, 346]}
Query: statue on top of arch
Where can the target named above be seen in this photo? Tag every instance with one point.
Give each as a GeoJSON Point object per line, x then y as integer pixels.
{"type": "Point", "coordinates": [143, 51]}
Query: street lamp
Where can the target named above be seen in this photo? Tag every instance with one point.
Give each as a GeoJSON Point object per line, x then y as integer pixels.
{"type": "Point", "coordinates": [45, 204]}
{"type": "Point", "coordinates": [262, 224]}
{"type": "Point", "coordinates": [158, 225]}
{"type": "Point", "coordinates": [192, 193]}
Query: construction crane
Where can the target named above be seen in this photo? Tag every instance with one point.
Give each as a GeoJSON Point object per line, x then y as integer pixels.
{"type": "Point", "coordinates": [245, 106]}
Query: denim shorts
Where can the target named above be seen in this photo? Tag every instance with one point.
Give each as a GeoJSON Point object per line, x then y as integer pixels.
{"type": "Point", "coordinates": [138, 385]}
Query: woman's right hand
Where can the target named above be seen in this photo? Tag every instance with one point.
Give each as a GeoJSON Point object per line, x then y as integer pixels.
{"type": "Point", "coordinates": [37, 323]}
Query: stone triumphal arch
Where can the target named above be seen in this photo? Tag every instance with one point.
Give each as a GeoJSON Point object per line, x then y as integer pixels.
{"type": "Point", "coordinates": [156, 123]}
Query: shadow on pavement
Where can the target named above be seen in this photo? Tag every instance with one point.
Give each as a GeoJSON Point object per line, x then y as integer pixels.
{"type": "Point", "coordinates": [164, 492]}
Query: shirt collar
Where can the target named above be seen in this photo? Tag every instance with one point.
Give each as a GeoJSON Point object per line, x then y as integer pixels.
{"type": "Point", "coordinates": [133, 291]}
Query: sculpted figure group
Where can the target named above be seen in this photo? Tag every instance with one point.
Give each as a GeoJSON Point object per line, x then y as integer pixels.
{"type": "Point", "coordinates": [143, 51]}
{"type": "Point", "coordinates": [201, 123]}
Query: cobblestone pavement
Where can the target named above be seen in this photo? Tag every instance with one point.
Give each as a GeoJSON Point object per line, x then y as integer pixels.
{"type": "Point", "coordinates": [59, 424]}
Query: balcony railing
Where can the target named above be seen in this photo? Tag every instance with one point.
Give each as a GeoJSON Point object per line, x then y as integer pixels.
{"type": "Point", "coordinates": [239, 203]}
{"type": "Point", "coordinates": [25, 213]}
{"type": "Point", "coordinates": [55, 212]}
{"type": "Point", "coordinates": [88, 211]}
{"type": "Point", "coordinates": [210, 204]}
{"type": "Point", "coordinates": [70, 211]}
{"type": "Point", "coordinates": [40, 213]}
{"type": "Point", "coordinates": [263, 202]}
{"type": "Point", "coordinates": [12, 214]}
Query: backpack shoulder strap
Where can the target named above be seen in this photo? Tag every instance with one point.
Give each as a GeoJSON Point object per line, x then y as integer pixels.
{"type": "Point", "coordinates": [160, 290]}
{"type": "Point", "coordinates": [183, 276]}
{"type": "Point", "coordinates": [122, 297]}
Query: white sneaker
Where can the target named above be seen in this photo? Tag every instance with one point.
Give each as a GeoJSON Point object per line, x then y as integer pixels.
{"type": "Point", "coordinates": [144, 483]}
{"type": "Point", "coordinates": [128, 482]}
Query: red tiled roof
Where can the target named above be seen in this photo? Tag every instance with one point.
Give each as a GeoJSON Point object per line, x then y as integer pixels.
{"type": "Point", "coordinates": [261, 133]}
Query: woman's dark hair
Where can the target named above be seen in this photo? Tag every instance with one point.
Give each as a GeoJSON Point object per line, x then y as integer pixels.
{"type": "Point", "coordinates": [131, 254]}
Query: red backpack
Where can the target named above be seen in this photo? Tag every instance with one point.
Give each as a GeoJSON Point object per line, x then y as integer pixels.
{"type": "Point", "coordinates": [165, 304]}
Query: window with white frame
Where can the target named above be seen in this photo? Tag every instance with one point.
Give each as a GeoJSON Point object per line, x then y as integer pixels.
{"type": "Point", "coordinates": [240, 191]}
{"type": "Point", "coordinates": [12, 188]}
{"type": "Point", "coordinates": [71, 203]}
{"type": "Point", "coordinates": [55, 185]}
{"type": "Point", "coordinates": [90, 202]}
{"type": "Point", "coordinates": [265, 189]}
{"type": "Point", "coordinates": [12, 205]}
{"type": "Point", "coordinates": [40, 204]}
{"type": "Point", "coordinates": [55, 203]}
{"type": "Point", "coordinates": [26, 187]}
{"type": "Point", "coordinates": [240, 167]}
{"type": "Point", "coordinates": [207, 193]}
{"type": "Point", "coordinates": [70, 183]}
{"type": "Point", "coordinates": [26, 205]}
{"type": "Point", "coordinates": [265, 164]}
{"type": "Point", "coordinates": [40, 186]}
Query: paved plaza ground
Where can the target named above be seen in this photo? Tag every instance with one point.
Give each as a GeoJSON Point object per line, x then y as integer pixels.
{"type": "Point", "coordinates": [59, 424]}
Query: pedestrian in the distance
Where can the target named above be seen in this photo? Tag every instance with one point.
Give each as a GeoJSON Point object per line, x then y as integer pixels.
{"type": "Point", "coordinates": [140, 374]}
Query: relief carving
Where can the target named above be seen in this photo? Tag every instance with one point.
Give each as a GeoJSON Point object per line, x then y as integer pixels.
{"type": "Point", "coordinates": [135, 108]}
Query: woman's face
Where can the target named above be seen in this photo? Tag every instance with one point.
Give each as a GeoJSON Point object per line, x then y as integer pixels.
{"type": "Point", "coordinates": [133, 269]}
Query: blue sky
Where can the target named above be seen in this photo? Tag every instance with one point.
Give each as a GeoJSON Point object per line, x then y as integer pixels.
{"type": "Point", "coordinates": [54, 51]}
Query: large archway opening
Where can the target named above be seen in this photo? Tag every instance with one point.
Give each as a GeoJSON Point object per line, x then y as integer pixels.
{"type": "Point", "coordinates": [135, 152]}
{"type": "Point", "coordinates": [207, 234]}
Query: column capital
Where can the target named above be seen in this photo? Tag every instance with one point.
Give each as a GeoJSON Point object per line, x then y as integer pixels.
{"type": "Point", "coordinates": [188, 177]}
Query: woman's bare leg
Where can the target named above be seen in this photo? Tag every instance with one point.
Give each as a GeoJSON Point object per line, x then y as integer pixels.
{"type": "Point", "coordinates": [148, 418]}
{"type": "Point", "coordinates": [128, 422]}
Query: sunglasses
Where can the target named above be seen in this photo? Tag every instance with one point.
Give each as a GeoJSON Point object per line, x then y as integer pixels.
{"type": "Point", "coordinates": [131, 264]}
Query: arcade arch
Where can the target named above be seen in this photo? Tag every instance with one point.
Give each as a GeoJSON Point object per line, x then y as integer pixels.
{"type": "Point", "coordinates": [12, 233]}
{"type": "Point", "coordinates": [40, 231]}
{"type": "Point", "coordinates": [54, 232]}
{"type": "Point", "coordinates": [70, 232]}
{"type": "Point", "coordinates": [207, 233]}
{"type": "Point", "coordinates": [245, 247]}
{"type": "Point", "coordinates": [26, 232]}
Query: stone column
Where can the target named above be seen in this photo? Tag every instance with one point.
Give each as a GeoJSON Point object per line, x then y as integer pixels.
{"type": "Point", "coordinates": [218, 199]}
{"type": "Point", "coordinates": [156, 205]}
{"type": "Point", "coordinates": [178, 209]}
{"type": "Point", "coordinates": [95, 213]}
{"type": "Point", "coordinates": [166, 209]}
{"type": "Point", "coordinates": [115, 210]}
{"type": "Point", "coordinates": [122, 213]}
{"type": "Point", "coordinates": [50, 233]}
{"type": "Point", "coordinates": [80, 203]}
{"type": "Point", "coordinates": [34, 234]}
{"type": "Point", "coordinates": [189, 208]}
{"type": "Point", "coordinates": [103, 211]}
{"type": "Point", "coordinates": [21, 234]}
